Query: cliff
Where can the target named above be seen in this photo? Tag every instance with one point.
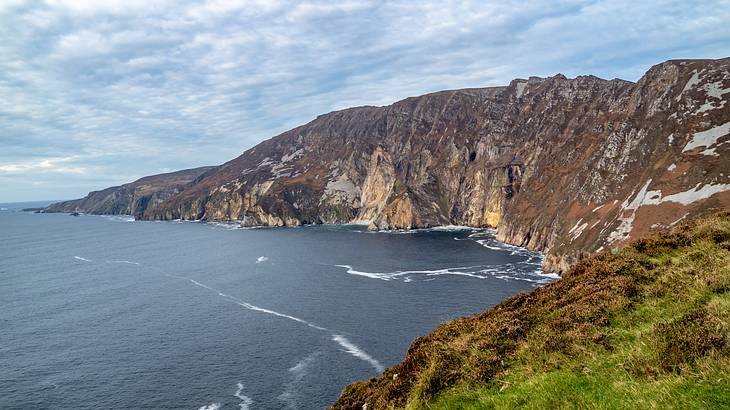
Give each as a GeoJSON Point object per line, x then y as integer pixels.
{"type": "Point", "coordinates": [646, 326]}
{"type": "Point", "coordinates": [565, 166]}
{"type": "Point", "coordinates": [132, 198]}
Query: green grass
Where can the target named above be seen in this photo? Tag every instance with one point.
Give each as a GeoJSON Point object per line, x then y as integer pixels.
{"type": "Point", "coordinates": [645, 327]}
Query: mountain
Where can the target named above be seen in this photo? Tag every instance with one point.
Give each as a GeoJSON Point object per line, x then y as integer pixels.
{"type": "Point", "coordinates": [646, 326]}
{"type": "Point", "coordinates": [564, 166]}
{"type": "Point", "coordinates": [132, 198]}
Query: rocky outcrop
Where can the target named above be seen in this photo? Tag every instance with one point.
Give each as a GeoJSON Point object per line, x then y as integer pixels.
{"type": "Point", "coordinates": [565, 166]}
{"type": "Point", "coordinates": [132, 198]}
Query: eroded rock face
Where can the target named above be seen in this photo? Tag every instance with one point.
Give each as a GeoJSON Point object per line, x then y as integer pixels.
{"type": "Point", "coordinates": [132, 198]}
{"type": "Point", "coordinates": [567, 166]}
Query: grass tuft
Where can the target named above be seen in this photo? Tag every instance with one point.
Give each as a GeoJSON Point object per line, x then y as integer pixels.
{"type": "Point", "coordinates": [644, 326]}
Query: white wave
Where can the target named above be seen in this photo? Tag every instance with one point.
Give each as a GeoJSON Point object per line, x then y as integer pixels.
{"type": "Point", "coordinates": [118, 218]}
{"type": "Point", "coordinates": [248, 305]}
{"type": "Point", "coordinates": [298, 372]}
{"type": "Point", "coordinates": [374, 275]}
{"type": "Point", "coordinates": [341, 340]}
{"type": "Point", "coordinates": [224, 225]}
{"type": "Point", "coordinates": [211, 406]}
{"type": "Point", "coordinates": [261, 259]}
{"type": "Point", "coordinates": [246, 401]}
{"type": "Point", "coordinates": [469, 274]}
{"type": "Point", "coordinates": [449, 228]}
{"type": "Point", "coordinates": [272, 312]}
{"type": "Point", "coordinates": [396, 274]}
{"type": "Point", "coordinates": [125, 262]}
{"type": "Point", "coordinates": [528, 270]}
{"type": "Point", "coordinates": [357, 352]}
{"type": "Point", "coordinates": [485, 243]}
{"type": "Point", "coordinates": [82, 259]}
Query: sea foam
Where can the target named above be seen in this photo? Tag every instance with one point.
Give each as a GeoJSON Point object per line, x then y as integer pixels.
{"type": "Point", "coordinates": [246, 401]}
{"type": "Point", "coordinates": [341, 340]}
{"type": "Point", "coordinates": [124, 262]}
{"type": "Point", "coordinates": [357, 352]}
{"type": "Point", "coordinates": [298, 373]}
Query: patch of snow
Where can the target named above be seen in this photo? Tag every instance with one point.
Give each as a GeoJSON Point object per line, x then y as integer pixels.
{"type": "Point", "coordinates": [265, 162]}
{"type": "Point", "coordinates": [715, 89]}
{"type": "Point", "coordinates": [694, 80]}
{"type": "Point", "coordinates": [670, 138]}
{"type": "Point", "coordinates": [575, 226]}
{"type": "Point", "coordinates": [281, 170]}
{"type": "Point", "coordinates": [597, 208]}
{"type": "Point", "coordinates": [626, 224]}
{"type": "Point", "coordinates": [696, 194]}
{"type": "Point", "coordinates": [342, 189]}
{"type": "Point", "coordinates": [296, 154]}
{"type": "Point", "coordinates": [678, 220]}
{"type": "Point", "coordinates": [708, 137]}
{"type": "Point", "coordinates": [671, 167]}
{"type": "Point", "coordinates": [520, 89]}
{"type": "Point", "coordinates": [579, 231]}
{"type": "Point", "coordinates": [643, 197]}
{"type": "Point", "coordinates": [710, 105]}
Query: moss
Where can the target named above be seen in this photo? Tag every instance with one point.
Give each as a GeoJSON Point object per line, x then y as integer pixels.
{"type": "Point", "coordinates": [647, 327]}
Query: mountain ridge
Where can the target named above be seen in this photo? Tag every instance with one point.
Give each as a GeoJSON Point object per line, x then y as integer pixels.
{"type": "Point", "coordinates": [564, 166]}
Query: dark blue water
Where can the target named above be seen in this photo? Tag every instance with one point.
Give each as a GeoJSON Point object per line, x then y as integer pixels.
{"type": "Point", "coordinates": [102, 312]}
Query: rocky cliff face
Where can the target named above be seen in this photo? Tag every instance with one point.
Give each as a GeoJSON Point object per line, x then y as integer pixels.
{"type": "Point", "coordinates": [566, 166]}
{"type": "Point", "coordinates": [132, 198]}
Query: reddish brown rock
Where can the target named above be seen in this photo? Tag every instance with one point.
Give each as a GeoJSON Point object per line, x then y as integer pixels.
{"type": "Point", "coordinates": [566, 166]}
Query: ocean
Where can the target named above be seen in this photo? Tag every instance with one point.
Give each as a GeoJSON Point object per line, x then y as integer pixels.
{"type": "Point", "coordinates": [108, 312]}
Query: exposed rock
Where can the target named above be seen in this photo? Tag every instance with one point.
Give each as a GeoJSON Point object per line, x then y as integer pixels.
{"type": "Point", "coordinates": [132, 198]}
{"type": "Point", "coordinates": [566, 166]}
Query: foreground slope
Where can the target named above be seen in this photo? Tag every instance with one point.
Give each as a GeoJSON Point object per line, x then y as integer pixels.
{"type": "Point", "coordinates": [565, 166]}
{"type": "Point", "coordinates": [647, 326]}
{"type": "Point", "coordinates": [132, 198]}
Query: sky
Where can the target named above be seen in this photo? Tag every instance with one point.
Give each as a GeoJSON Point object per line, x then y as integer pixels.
{"type": "Point", "coordinates": [97, 93]}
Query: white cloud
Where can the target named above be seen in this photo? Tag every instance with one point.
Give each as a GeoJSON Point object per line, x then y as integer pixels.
{"type": "Point", "coordinates": [47, 165]}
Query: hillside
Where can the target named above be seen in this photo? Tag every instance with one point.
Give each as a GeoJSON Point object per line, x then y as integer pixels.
{"type": "Point", "coordinates": [564, 166]}
{"type": "Point", "coordinates": [643, 326]}
{"type": "Point", "coordinates": [132, 198]}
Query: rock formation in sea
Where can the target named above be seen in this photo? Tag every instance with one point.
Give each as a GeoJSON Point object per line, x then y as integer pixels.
{"type": "Point", "coordinates": [564, 166]}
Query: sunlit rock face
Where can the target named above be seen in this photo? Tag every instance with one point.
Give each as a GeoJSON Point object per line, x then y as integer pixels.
{"type": "Point", "coordinates": [567, 166]}
{"type": "Point", "coordinates": [135, 197]}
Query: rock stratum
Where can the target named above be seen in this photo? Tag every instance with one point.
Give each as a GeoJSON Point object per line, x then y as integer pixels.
{"type": "Point", "coordinates": [564, 166]}
{"type": "Point", "coordinates": [132, 198]}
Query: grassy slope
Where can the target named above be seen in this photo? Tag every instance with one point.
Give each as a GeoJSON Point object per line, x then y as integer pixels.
{"type": "Point", "coordinates": [647, 326]}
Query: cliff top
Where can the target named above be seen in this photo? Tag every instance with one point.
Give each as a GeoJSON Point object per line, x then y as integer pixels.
{"type": "Point", "coordinates": [643, 326]}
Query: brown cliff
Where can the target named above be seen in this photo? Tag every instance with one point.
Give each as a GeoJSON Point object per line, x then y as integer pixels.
{"type": "Point", "coordinates": [132, 198]}
{"type": "Point", "coordinates": [566, 166]}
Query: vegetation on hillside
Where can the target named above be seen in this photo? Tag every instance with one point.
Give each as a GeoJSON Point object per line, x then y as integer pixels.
{"type": "Point", "coordinates": [645, 326]}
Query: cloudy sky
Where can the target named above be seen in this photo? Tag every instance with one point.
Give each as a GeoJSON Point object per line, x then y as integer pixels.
{"type": "Point", "coordinates": [96, 93]}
